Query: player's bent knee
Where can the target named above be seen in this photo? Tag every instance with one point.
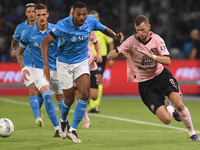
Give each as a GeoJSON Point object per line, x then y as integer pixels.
{"type": "Point", "coordinates": [180, 107]}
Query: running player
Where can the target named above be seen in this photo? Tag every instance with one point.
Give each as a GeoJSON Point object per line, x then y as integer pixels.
{"type": "Point", "coordinates": [93, 70]}
{"type": "Point", "coordinates": [33, 37]}
{"type": "Point", "coordinates": [72, 60]}
{"type": "Point", "coordinates": [34, 97]}
{"type": "Point", "coordinates": [146, 54]}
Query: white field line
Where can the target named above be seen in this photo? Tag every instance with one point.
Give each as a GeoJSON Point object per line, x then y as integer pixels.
{"type": "Point", "coordinates": [105, 116]}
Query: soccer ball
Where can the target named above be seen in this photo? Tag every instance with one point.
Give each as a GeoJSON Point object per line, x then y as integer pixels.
{"type": "Point", "coordinates": [6, 127]}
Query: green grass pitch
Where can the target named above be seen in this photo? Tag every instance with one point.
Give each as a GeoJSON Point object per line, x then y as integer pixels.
{"type": "Point", "coordinates": [122, 124]}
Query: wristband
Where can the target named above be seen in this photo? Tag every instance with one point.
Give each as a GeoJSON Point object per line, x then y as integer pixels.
{"type": "Point", "coordinates": [24, 68]}
{"type": "Point", "coordinates": [154, 57]}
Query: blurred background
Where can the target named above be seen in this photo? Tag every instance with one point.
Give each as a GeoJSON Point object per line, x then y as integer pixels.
{"type": "Point", "coordinates": [176, 21]}
{"type": "Point", "coordinates": [173, 20]}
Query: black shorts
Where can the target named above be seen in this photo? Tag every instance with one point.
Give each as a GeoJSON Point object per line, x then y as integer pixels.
{"type": "Point", "coordinates": [153, 91]}
{"type": "Point", "coordinates": [101, 66]}
{"type": "Point", "coordinates": [93, 80]}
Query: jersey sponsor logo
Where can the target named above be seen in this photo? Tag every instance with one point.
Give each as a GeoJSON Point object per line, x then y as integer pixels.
{"type": "Point", "coordinates": [53, 29]}
{"type": "Point", "coordinates": [33, 37]}
{"type": "Point", "coordinates": [71, 32]}
{"type": "Point", "coordinates": [147, 61]}
{"type": "Point", "coordinates": [88, 29]}
{"type": "Point", "coordinates": [148, 68]}
{"type": "Point", "coordinates": [83, 37]}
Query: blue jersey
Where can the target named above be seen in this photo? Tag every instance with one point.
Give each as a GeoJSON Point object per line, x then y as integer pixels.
{"type": "Point", "coordinates": [32, 37]}
{"type": "Point", "coordinates": [73, 40]}
{"type": "Point", "coordinates": [17, 36]}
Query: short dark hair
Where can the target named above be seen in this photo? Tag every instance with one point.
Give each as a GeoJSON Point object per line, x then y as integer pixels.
{"type": "Point", "coordinates": [79, 5]}
{"type": "Point", "coordinates": [30, 5]}
{"type": "Point", "coordinates": [41, 6]}
{"type": "Point", "coordinates": [139, 19]}
{"type": "Point", "coordinates": [93, 12]}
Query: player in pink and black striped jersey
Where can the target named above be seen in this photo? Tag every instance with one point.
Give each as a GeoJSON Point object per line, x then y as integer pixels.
{"type": "Point", "coordinates": [146, 54]}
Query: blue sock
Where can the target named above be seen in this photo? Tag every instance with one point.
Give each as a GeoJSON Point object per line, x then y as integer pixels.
{"type": "Point", "coordinates": [41, 100]}
{"type": "Point", "coordinates": [34, 105]}
{"type": "Point", "coordinates": [50, 109]}
{"type": "Point", "coordinates": [64, 111]}
{"type": "Point", "coordinates": [60, 103]}
{"type": "Point", "coordinates": [79, 112]}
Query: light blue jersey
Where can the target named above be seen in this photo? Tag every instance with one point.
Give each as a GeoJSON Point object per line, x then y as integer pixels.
{"type": "Point", "coordinates": [17, 36]}
{"type": "Point", "coordinates": [73, 40]}
{"type": "Point", "coordinates": [32, 37]}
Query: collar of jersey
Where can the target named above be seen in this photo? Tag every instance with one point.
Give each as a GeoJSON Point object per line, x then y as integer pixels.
{"type": "Point", "coordinates": [48, 26]}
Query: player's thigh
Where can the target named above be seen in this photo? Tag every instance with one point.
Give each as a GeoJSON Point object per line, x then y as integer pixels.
{"type": "Point", "coordinates": [30, 81]}
{"type": "Point", "coordinates": [39, 80]}
{"type": "Point", "coordinates": [150, 96]}
{"type": "Point", "coordinates": [163, 114]}
{"type": "Point", "coordinates": [82, 77]}
{"type": "Point", "coordinates": [54, 83]}
{"type": "Point", "coordinates": [65, 77]}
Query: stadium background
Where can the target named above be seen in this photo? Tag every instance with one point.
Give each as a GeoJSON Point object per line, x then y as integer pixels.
{"type": "Point", "coordinates": [172, 20]}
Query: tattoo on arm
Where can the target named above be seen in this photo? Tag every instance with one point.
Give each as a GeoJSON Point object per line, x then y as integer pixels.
{"type": "Point", "coordinates": [109, 32]}
{"type": "Point", "coordinates": [20, 58]}
{"type": "Point", "coordinates": [14, 45]}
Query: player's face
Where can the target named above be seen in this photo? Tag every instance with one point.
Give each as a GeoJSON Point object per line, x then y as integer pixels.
{"type": "Point", "coordinates": [79, 15]}
{"type": "Point", "coordinates": [30, 13]}
{"type": "Point", "coordinates": [41, 16]}
{"type": "Point", "coordinates": [143, 31]}
{"type": "Point", "coordinates": [96, 16]}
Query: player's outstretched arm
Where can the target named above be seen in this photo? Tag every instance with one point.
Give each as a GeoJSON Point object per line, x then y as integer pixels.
{"type": "Point", "coordinates": [112, 55]}
{"type": "Point", "coordinates": [119, 36]}
{"type": "Point", "coordinates": [45, 51]}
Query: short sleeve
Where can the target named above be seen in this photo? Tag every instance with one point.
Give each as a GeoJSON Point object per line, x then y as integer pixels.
{"type": "Point", "coordinates": [24, 41]}
{"type": "Point", "coordinates": [97, 25]}
{"type": "Point", "coordinates": [17, 34]}
{"type": "Point", "coordinates": [161, 47]}
{"type": "Point", "coordinates": [125, 46]}
{"type": "Point", "coordinates": [57, 30]}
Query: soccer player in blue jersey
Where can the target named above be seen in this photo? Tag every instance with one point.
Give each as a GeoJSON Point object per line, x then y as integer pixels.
{"type": "Point", "coordinates": [34, 97]}
{"type": "Point", "coordinates": [32, 37]}
{"type": "Point", "coordinates": [72, 59]}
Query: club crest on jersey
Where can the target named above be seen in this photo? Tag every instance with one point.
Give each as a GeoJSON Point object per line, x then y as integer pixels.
{"type": "Point", "coordinates": [153, 50]}
{"type": "Point", "coordinates": [73, 39]}
{"type": "Point", "coordinates": [53, 29]}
